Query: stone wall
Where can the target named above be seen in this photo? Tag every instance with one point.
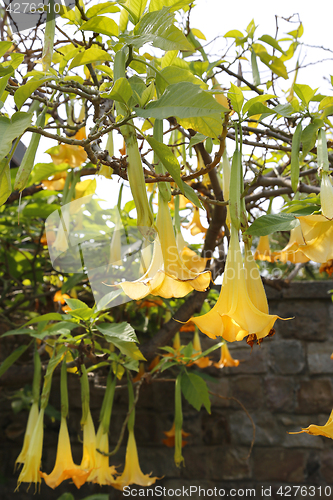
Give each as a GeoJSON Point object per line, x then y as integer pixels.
{"type": "Point", "coordinates": [284, 384]}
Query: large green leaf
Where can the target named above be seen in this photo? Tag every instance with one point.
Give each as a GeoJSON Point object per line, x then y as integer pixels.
{"type": "Point", "coordinates": [309, 136]}
{"type": "Point", "coordinates": [175, 74]}
{"type": "Point", "coordinates": [45, 317]}
{"type": "Point", "coordinates": [184, 100]}
{"type": "Point", "coordinates": [135, 8]}
{"type": "Point", "coordinates": [102, 8]}
{"type": "Point", "coordinates": [12, 128]}
{"type": "Point", "coordinates": [91, 55]}
{"type": "Point", "coordinates": [268, 224]}
{"type": "Point", "coordinates": [5, 181]}
{"type": "Point", "coordinates": [101, 24]}
{"type": "Point", "coordinates": [191, 195]}
{"type": "Point", "coordinates": [304, 92]}
{"type": "Point", "coordinates": [236, 97]}
{"type": "Point", "coordinates": [120, 92]}
{"type": "Point", "coordinates": [272, 42]}
{"type": "Point", "coordinates": [4, 47]}
{"type": "Point", "coordinates": [7, 363]}
{"type": "Point", "coordinates": [195, 391]}
{"type": "Point", "coordinates": [158, 29]}
{"type": "Point", "coordinates": [22, 93]}
{"type": "Point", "coordinates": [172, 4]}
{"type": "Point", "coordinates": [211, 125]}
{"type": "Point", "coordinates": [122, 335]}
{"type": "Point", "coordinates": [254, 100]}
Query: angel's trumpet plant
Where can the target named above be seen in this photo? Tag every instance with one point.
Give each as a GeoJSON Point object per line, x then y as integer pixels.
{"type": "Point", "coordinates": [88, 461]}
{"type": "Point", "coordinates": [145, 217]}
{"type": "Point", "coordinates": [319, 430]}
{"type": "Point", "coordinates": [263, 251]}
{"type": "Point", "coordinates": [167, 276]}
{"type": "Point", "coordinates": [103, 473]}
{"type": "Point", "coordinates": [241, 308]}
{"type": "Point", "coordinates": [34, 410]}
{"type": "Point", "coordinates": [292, 252]}
{"type": "Point", "coordinates": [49, 36]}
{"type": "Point", "coordinates": [132, 473]}
{"type": "Point", "coordinates": [30, 472]}
{"type": "Point", "coordinates": [64, 467]}
{"type": "Point", "coordinates": [317, 230]}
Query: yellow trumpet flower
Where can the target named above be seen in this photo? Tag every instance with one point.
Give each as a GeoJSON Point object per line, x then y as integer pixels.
{"type": "Point", "coordinates": [103, 472]}
{"type": "Point", "coordinates": [64, 466]}
{"type": "Point", "coordinates": [226, 359]}
{"type": "Point", "coordinates": [192, 261]}
{"type": "Point", "coordinates": [319, 430]}
{"type": "Point", "coordinates": [132, 473]}
{"type": "Point", "coordinates": [241, 308]}
{"type": "Point", "coordinates": [263, 251]}
{"type": "Point", "coordinates": [292, 251]}
{"type": "Point", "coordinates": [318, 229]}
{"type": "Point", "coordinates": [167, 276]}
{"type": "Point", "coordinates": [75, 156]}
{"type": "Point", "coordinates": [30, 472]}
{"type": "Point", "coordinates": [195, 225]}
{"type": "Point", "coordinates": [88, 461]}
{"type": "Point", "coordinates": [204, 361]}
{"type": "Point", "coordinates": [32, 422]}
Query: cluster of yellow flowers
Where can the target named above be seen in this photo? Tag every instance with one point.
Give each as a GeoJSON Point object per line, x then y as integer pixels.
{"type": "Point", "coordinates": [94, 465]}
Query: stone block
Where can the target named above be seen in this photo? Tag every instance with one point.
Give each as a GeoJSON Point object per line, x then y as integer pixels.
{"type": "Point", "coordinates": [278, 464]}
{"type": "Point", "coordinates": [319, 357]}
{"type": "Point", "coordinates": [248, 390]}
{"type": "Point", "coordinates": [280, 394]}
{"type": "Point", "coordinates": [251, 360]}
{"type": "Point", "coordinates": [215, 428]}
{"type": "Point", "coordinates": [314, 396]}
{"type": "Point", "coordinates": [311, 319]}
{"type": "Point", "coordinates": [326, 465]}
{"type": "Point", "coordinates": [287, 357]}
{"type": "Point", "coordinates": [268, 430]}
{"type": "Point", "coordinates": [221, 391]}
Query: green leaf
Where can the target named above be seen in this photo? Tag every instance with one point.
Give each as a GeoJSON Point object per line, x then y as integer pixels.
{"type": "Point", "coordinates": [8, 362]}
{"type": "Point", "coordinates": [184, 100]}
{"type": "Point", "coordinates": [168, 160]}
{"type": "Point", "coordinates": [254, 100]}
{"type": "Point", "coordinates": [102, 8]}
{"type": "Point", "coordinates": [284, 109]}
{"type": "Point", "coordinates": [191, 195]}
{"type": "Point", "coordinates": [88, 56]}
{"type": "Point", "coordinates": [22, 93]}
{"type": "Point", "coordinates": [157, 28]}
{"type": "Point", "coordinates": [304, 92]}
{"type": "Point", "coordinates": [76, 304]}
{"type": "Point", "coordinates": [272, 42]}
{"type": "Point", "coordinates": [5, 181]}
{"type": "Point", "coordinates": [274, 63]}
{"type": "Point", "coordinates": [174, 74]}
{"type": "Point", "coordinates": [268, 224]}
{"type": "Point", "coordinates": [325, 103]}
{"type": "Point", "coordinates": [4, 47]}
{"type": "Point", "coordinates": [122, 335]}
{"type": "Point", "coordinates": [72, 281]}
{"type": "Point", "coordinates": [309, 136]}
{"type": "Point", "coordinates": [258, 108]}
{"type": "Point", "coordinates": [101, 24]}
{"type": "Point", "coordinates": [43, 171]}
{"type": "Point", "coordinates": [196, 139]}
{"type": "Point", "coordinates": [236, 97]}
{"type": "Point", "coordinates": [109, 297]}
{"type": "Point", "coordinates": [255, 70]}
{"type": "Point", "coordinates": [120, 92]}
{"type": "Point", "coordinates": [294, 165]}
{"type": "Point", "coordinates": [297, 33]}
{"type": "Point", "coordinates": [12, 128]}
{"type": "Point", "coordinates": [234, 34]}
{"type": "Point", "coordinates": [173, 5]}
{"type": "Point", "coordinates": [66, 496]}
{"type": "Point", "coordinates": [44, 317]}
{"type": "Point", "coordinates": [195, 391]}
{"type": "Point", "coordinates": [3, 83]}
{"type": "Point", "coordinates": [210, 125]}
